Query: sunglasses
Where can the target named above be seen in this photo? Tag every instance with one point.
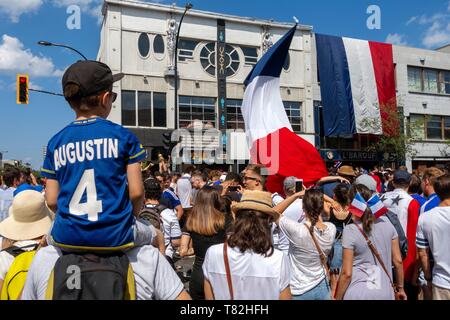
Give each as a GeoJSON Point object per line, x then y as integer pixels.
{"type": "Point", "coordinates": [250, 178]}
{"type": "Point", "coordinates": [114, 96]}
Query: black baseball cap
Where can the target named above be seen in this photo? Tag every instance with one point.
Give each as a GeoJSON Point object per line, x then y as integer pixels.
{"type": "Point", "coordinates": [91, 76]}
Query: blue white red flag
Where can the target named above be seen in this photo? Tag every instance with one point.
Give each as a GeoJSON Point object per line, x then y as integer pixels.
{"type": "Point", "coordinates": [357, 86]}
{"type": "Point", "coordinates": [358, 205]}
{"type": "Point", "coordinates": [269, 133]}
{"type": "Point", "coordinates": [376, 206]}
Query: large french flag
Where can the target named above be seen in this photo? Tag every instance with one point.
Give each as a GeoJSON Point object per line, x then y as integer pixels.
{"type": "Point", "coordinates": [269, 133]}
{"type": "Point", "coordinates": [357, 85]}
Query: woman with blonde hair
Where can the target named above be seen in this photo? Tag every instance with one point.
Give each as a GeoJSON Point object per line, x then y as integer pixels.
{"type": "Point", "coordinates": [206, 225]}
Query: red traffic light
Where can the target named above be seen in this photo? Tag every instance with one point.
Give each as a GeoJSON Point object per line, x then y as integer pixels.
{"type": "Point", "coordinates": [22, 89]}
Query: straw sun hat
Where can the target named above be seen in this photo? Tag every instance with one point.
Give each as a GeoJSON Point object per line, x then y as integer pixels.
{"type": "Point", "coordinates": [255, 200]}
{"type": "Point", "coordinates": [29, 217]}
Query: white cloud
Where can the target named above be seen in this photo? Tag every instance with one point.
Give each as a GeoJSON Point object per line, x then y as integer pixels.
{"type": "Point", "coordinates": [14, 58]}
{"type": "Point", "coordinates": [397, 39]}
{"type": "Point", "coordinates": [35, 86]}
{"type": "Point", "coordinates": [436, 35]}
{"type": "Point", "coordinates": [14, 9]}
{"type": "Point", "coordinates": [411, 20]}
{"type": "Point", "coordinates": [437, 26]}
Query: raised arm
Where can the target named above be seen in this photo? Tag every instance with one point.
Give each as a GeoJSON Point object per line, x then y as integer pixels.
{"type": "Point", "coordinates": [283, 205]}
{"type": "Point", "coordinates": [346, 274]}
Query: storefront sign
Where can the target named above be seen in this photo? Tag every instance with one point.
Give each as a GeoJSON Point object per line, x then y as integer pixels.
{"type": "Point", "coordinates": [221, 75]}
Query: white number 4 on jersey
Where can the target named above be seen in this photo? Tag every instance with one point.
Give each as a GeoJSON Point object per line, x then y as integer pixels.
{"type": "Point", "coordinates": [93, 206]}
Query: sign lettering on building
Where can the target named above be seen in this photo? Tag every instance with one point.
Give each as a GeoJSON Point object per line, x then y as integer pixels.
{"type": "Point", "coordinates": [221, 75]}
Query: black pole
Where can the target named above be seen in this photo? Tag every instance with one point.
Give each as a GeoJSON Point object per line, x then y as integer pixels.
{"type": "Point", "coordinates": [187, 7]}
{"type": "Point", "coordinates": [47, 92]}
{"type": "Point", "coordinates": [49, 44]}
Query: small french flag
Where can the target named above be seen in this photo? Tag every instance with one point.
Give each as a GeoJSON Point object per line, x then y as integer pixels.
{"type": "Point", "coordinates": [358, 206]}
{"type": "Point", "coordinates": [376, 206]}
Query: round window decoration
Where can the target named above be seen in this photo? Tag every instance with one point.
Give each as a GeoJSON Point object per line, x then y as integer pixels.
{"type": "Point", "coordinates": [144, 45]}
{"type": "Point", "coordinates": [158, 45]}
{"type": "Point", "coordinates": [229, 62]}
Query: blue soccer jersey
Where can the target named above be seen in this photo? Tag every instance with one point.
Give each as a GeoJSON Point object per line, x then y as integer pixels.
{"type": "Point", "coordinates": [89, 160]}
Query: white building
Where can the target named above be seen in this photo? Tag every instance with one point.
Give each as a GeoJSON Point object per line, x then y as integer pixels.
{"type": "Point", "coordinates": [423, 90]}
{"type": "Point", "coordinates": [137, 38]}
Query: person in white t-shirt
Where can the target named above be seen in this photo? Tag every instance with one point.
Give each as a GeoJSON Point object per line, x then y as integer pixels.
{"type": "Point", "coordinates": [293, 212]}
{"type": "Point", "coordinates": [170, 226]}
{"type": "Point", "coordinates": [433, 235]}
{"type": "Point", "coordinates": [309, 279]}
{"type": "Point", "coordinates": [27, 225]}
{"type": "Point", "coordinates": [257, 271]}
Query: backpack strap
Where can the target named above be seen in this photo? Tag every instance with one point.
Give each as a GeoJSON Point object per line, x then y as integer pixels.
{"type": "Point", "coordinates": [323, 257]}
{"type": "Point", "coordinates": [15, 250]}
{"type": "Point", "coordinates": [377, 256]}
{"type": "Point", "coordinates": [227, 269]}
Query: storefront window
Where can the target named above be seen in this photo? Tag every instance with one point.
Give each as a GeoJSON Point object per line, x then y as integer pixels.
{"type": "Point", "coordinates": [434, 127]}
{"type": "Point", "coordinates": [234, 114]}
{"type": "Point", "coordinates": [128, 108]}
{"type": "Point", "coordinates": [197, 108]}
{"type": "Point", "coordinates": [430, 81]}
{"type": "Point", "coordinates": [294, 113]}
{"type": "Point", "coordinates": [414, 79]}
{"type": "Point", "coordinates": [144, 109]}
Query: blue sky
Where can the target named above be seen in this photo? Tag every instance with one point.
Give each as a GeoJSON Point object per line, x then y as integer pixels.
{"type": "Point", "coordinates": [26, 129]}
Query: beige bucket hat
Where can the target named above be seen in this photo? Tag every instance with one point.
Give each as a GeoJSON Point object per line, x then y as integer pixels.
{"type": "Point", "coordinates": [29, 217]}
{"type": "Point", "coordinates": [255, 200]}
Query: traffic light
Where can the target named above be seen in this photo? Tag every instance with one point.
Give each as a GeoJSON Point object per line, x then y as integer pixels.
{"type": "Point", "coordinates": [167, 141]}
{"type": "Point", "coordinates": [22, 89]}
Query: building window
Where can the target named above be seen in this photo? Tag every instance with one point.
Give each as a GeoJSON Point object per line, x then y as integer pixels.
{"type": "Point", "coordinates": [434, 127]}
{"type": "Point", "coordinates": [250, 55]}
{"type": "Point", "coordinates": [414, 79]}
{"type": "Point", "coordinates": [158, 44]}
{"type": "Point", "coordinates": [445, 82]}
{"type": "Point", "coordinates": [287, 62]}
{"type": "Point", "coordinates": [186, 49]}
{"type": "Point", "coordinates": [447, 128]}
{"type": "Point", "coordinates": [150, 110]}
{"type": "Point", "coordinates": [416, 127]}
{"type": "Point", "coordinates": [208, 59]}
{"type": "Point", "coordinates": [428, 80]}
{"type": "Point", "coordinates": [234, 114]}
{"type": "Point", "coordinates": [128, 108]}
{"type": "Point", "coordinates": [196, 108]}
{"type": "Point", "coordinates": [144, 109]}
{"type": "Point", "coordinates": [293, 111]}
{"type": "Point", "coordinates": [159, 110]}
{"type": "Point", "coordinates": [144, 45]}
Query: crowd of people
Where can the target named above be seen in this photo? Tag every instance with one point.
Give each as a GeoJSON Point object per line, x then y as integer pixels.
{"type": "Point", "coordinates": [313, 244]}
{"type": "Point", "coordinates": [105, 227]}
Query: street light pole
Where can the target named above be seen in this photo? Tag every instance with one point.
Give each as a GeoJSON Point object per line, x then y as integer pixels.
{"type": "Point", "coordinates": [50, 44]}
{"type": "Point", "coordinates": [187, 7]}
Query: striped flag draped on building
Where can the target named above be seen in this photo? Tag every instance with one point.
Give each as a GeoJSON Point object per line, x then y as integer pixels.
{"type": "Point", "coordinates": [357, 85]}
